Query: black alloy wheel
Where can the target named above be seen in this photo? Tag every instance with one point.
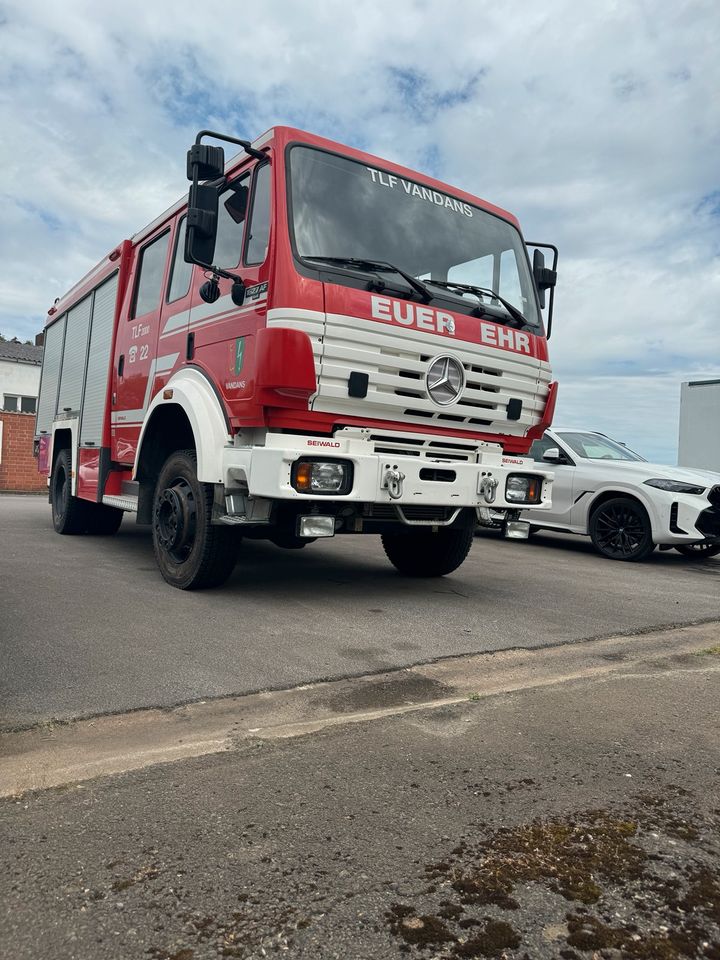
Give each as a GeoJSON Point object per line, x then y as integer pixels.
{"type": "Point", "coordinates": [699, 551]}
{"type": "Point", "coordinates": [191, 552]}
{"type": "Point", "coordinates": [620, 530]}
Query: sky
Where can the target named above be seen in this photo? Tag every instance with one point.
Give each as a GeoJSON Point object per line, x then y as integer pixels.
{"type": "Point", "coordinates": [597, 125]}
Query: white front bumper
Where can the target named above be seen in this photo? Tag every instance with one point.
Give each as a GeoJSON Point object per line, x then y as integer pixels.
{"type": "Point", "coordinates": [689, 508]}
{"type": "Point", "coordinates": [265, 472]}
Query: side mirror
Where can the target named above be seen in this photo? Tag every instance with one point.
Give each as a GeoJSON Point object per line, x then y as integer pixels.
{"type": "Point", "coordinates": [553, 455]}
{"type": "Point", "coordinates": [545, 277]}
{"type": "Point", "coordinates": [236, 203]}
{"type": "Point", "coordinates": [202, 224]}
{"type": "Point", "coordinates": [205, 162]}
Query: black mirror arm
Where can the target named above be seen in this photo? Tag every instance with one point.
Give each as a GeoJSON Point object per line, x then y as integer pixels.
{"type": "Point", "coordinates": [210, 290]}
{"type": "Point", "coordinates": [225, 274]}
{"type": "Point", "coordinates": [245, 144]}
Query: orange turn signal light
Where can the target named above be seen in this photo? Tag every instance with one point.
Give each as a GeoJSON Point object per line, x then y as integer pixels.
{"type": "Point", "coordinates": [534, 489]}
{"type": "Point", "coordinates": [303, 474]}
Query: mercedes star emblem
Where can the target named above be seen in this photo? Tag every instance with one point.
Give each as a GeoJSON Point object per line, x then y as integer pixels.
{"type": "Point", "coordinates": [445, 380]}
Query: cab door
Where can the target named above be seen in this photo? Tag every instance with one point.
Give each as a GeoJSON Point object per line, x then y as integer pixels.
{"type": "Point", "coordinates": [136, 362]}
{"type": "Point", "coordinates": [181, 292]}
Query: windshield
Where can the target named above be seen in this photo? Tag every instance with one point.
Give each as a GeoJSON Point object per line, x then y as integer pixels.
{"type": "Point", "coordinates": [342, 208]}
{"type": "Point", "coordinates": [593, 446]}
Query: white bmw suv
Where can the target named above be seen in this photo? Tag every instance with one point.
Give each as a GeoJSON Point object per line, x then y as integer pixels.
{"type": "Point", "coordinates": [626, 505]}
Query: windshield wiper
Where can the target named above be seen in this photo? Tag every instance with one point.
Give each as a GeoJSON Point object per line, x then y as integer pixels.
{"type": "Point", "coordinates": [480, 292]}
{"type": "Point", "coordinates": [363, 264]}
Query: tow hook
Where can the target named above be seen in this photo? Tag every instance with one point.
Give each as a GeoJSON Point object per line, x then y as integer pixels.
{"type": "Point", "coordinates": [488, 489]}
{"type": "Point", "coordinates": [393, 483]}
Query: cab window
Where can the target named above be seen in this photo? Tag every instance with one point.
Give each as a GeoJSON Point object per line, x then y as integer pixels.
{"type": "Point", "coordinates": [259, 233]}
{"type": "Point", "coordinates": [180, 271]}
{"type": "Point", "coordinates": [151, 271]}
{"type": "Point", "coordinates": [232, 210]}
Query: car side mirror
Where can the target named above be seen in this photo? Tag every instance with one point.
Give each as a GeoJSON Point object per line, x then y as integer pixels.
{"type": "Point", "coordinates": [553, 455]}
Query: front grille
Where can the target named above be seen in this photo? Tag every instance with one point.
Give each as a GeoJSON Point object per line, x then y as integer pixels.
{"type": "Point", "coordinates": [396, 361]}
{"type": "Point", "coordinates": [386, 511]}
{"type": "Point", "coordinates": [708, 523]}
{"type": "Point", "coordinates": [714, 496]}
{"type": "Point", "coordinates": [424, 447]}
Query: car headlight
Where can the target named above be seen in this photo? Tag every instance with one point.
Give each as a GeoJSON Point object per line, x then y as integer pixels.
{"type": "Point", "coordinates": [674, 486]}
{"type": "Point", "coordinates": [322, 477]}
{"type": "Point", "coordinates": [523, 489]}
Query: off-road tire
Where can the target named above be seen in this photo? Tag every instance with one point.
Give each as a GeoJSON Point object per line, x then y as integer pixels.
{"type": "Point", "coordinates": [191, 552]}
{"type": "Point", "coordinates": [620, 530]}
{"type": "Point", "coordinates": [698, 551]}
{"type": "Point", "coordinates": [421, 553]}
{"type": "Point", "coordinates": [102, 520]}
{"type": "Point", "coordinates": [69, 513]}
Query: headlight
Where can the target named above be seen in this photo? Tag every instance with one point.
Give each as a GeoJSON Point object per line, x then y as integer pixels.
{"type": "Point", "coordinates": [322, 477]}
{"type": "Point", "coordinates": [674, 486]}
{"type": "Point", "coordinates": [522, 489]}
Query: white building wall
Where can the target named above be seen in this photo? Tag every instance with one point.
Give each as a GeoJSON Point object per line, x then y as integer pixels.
{"type": "Point", "coordinates": [699, 441]}
{"type": "Point", "coordinates": [19, 379]}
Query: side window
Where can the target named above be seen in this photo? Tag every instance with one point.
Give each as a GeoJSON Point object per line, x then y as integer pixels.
{"type": "Point", "coordinates": [180, 271]}
{"type": "Point", "coordinates": [510, 280]}
{"type": "Point", "coordinates": [259, 234]}
{"type": "Point", "coordinates": [540, 446]}
{"type": "Point", "coordinates": [232, 209]}
{"type": "Point", "coordinates": [17, 404]}
{"type": "Point", "coordinates": [151, 271]}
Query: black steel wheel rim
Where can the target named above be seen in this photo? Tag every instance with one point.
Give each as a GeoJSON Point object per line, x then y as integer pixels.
{"type": "Point", "coordinates": [619, 530]}
{"type": "Point", "coordinates": [175, 520]}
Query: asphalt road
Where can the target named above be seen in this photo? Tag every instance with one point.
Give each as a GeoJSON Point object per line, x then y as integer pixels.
{"type": "Point", "coordinates": [88, 626]}
{"type": "Point", "coordinates": [577, 820]}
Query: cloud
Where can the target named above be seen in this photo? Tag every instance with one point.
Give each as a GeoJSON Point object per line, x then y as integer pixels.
{"type": "Point", "coordinates": [599, 127]}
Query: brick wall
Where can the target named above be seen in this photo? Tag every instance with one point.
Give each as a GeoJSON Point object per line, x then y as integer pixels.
{"type": "Point", "coordinates": [18, 467]}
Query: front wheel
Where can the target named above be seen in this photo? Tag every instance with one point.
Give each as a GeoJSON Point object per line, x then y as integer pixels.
{"type": "Point", "coordinates": [69, 513]}
{"type": "Point", "coordinates": [698, 551]}
{"type": "Point", "coordinates": [620, 530]}
{"type": "Point", "coordinates": [190, 551]}
{"type": "Point", "coordinates": [421, 553]}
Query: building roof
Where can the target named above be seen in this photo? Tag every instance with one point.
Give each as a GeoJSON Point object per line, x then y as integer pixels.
{"type": "Point", "coordinates": [20, 352]}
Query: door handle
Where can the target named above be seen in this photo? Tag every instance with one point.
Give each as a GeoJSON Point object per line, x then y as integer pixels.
{"type": "Point", "coordinates": [121, 364]}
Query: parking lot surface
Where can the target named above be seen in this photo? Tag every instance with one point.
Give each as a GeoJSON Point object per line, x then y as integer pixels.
{"type": "Point", "coordinates": [88, 626]}
{"type": "Point", "coordinates": [577, 820]}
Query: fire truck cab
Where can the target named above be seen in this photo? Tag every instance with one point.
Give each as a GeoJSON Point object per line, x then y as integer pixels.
{"type": "Point", "coordinates": [315, 342]}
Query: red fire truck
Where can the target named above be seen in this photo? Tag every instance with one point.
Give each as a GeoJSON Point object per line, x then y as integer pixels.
{"type": "Point", "coordinates": [314, 342]}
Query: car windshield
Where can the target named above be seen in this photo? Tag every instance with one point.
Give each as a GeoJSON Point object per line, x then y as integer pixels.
{"type": "Point", "coordinates": [342, 208]}
{"type": "Point", "coordinates": [593, 446]}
